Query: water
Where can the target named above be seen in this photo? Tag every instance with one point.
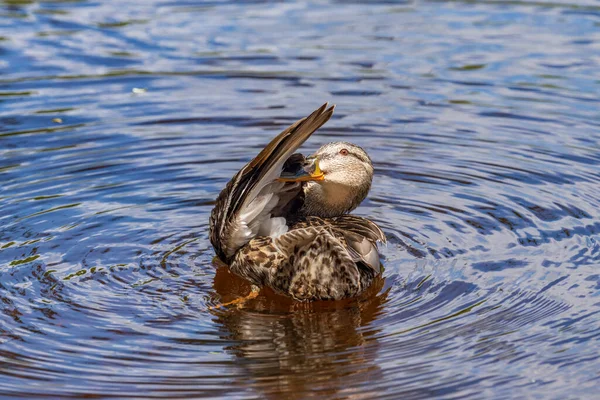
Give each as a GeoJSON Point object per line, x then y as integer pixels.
{"type": "Point", "coordinates": [483, 123]}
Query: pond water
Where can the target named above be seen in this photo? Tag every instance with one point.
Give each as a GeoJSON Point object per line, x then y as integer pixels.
{"type": "Point", "coordinates": [120, 122]}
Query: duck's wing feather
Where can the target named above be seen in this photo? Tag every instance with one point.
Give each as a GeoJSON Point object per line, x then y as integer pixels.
{"type": "Point", "coordinates": [243, 208]}
{"type": "Point", "coordinates": [359, 236]}
{"type": "Point", "coordinates": [361, 226]}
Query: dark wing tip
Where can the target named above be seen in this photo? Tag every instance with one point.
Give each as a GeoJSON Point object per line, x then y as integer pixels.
{"type": "Point", "coordinates": [327, 112]}
{"type": "Point", "coordinates": [323, 110]}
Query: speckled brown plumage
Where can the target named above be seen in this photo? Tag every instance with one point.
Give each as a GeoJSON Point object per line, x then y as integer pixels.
{"type": "Point", "coordinates": [313, 250]}
{"type": "Point", "coordinates": [312, 261]}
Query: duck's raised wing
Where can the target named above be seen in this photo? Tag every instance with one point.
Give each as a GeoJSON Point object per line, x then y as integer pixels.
{"type": "Point", "coordinates": [243, 208]}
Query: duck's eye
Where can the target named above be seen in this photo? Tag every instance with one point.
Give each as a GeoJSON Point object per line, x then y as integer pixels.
{"type": "Point", "coordinates": [344, 152]}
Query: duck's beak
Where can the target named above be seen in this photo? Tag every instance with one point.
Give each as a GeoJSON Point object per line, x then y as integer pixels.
{"type": "Point", "coordinates": [310, 171]}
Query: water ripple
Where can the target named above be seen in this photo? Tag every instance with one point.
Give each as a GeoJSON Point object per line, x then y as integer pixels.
{"type": "Point", "coordinates": [120, 123]}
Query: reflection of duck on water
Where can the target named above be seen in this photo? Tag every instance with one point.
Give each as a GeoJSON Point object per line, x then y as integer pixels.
{"type": "Point", "coordinates": [282, 222]}
{"type": "Point", "coordinates": [291, 350]}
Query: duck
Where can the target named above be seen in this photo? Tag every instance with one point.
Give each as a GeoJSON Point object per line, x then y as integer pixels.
{"type": "Point", "coordinates": [283, 221]}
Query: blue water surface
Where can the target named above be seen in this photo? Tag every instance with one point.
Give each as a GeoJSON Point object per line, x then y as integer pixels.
{"type": "Point", "coordinates": [120, 122]}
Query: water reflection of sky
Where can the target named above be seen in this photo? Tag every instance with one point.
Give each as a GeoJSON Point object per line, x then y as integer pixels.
{"type": "Point", "coordinates": [482, 121]}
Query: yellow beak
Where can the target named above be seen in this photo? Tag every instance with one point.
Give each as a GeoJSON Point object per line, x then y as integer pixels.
{"type": "Point", "coordinates": [310, 172]}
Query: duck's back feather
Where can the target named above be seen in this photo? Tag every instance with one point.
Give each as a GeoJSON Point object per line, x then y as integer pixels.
{"type": "Point", "coordinates": [317, 259]}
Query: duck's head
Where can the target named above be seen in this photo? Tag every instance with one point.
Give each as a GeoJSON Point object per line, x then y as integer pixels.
{"type": "Point", "coordinates": [337, 178]}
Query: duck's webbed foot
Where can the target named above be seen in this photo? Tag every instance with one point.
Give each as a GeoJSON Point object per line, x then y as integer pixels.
{"type": "Point", "coordinates": [240, 301]}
